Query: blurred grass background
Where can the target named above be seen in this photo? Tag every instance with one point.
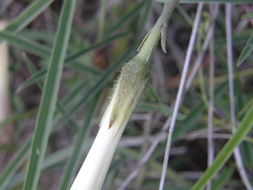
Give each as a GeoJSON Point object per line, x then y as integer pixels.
{"type": "Point", "coordinates": [104, 35]}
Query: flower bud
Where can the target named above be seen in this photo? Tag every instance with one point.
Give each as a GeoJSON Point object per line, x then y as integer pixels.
{"type": "Point", "coordinates": [127, 91]}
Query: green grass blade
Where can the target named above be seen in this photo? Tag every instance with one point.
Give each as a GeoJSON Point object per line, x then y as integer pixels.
{"type": "Point", "coordinates": [247, 152]}
{"type": "Point", "coordinates": [43, 51]}
{"type": "Point", "coordinates": [15, 117]}
{"type": "Point", "coordinates": [243, 129]}
{"type": "Point", "coordinates": [28, 15]}
{"type": "Point", "coordinates": [76, 153]}
{"type": "Point", "coordinates": [33, 79]}
{"type": "Point", "coordinates": [53, 160]}
{"type": "Point", "coordinates": [59, 107]}
{"type": "Point", "coordinates": [85, 68]}
{"type": "Point", "coordinates": [246, 51]}
{"type": "Point", "coordinates": [128, 16]}
{"type": "Point", "coordinates": [70, 59]}
{"type": "Point", "coordinates": [13, 165]}
{"type": "Point", "coordinates": [45, 36]}
{"type": "Point", "coordinates": [25, 44]}
{"type": "Point", "coordinates": [98, 45]}
{"type": "Point", "coordinates": [21, 154]}
{"type": "Point", "coordinates": [49, 96]}
{"type": "Point", "coordinates": [196, 112]}
{"type": "Point", "coordinates": [223, 178]}
{"type": "Point", "coordinates": [77, 90]}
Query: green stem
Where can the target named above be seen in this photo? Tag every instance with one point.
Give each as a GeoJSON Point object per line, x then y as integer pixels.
{"type": "Point", "coordinates": [159, 30]}
{"type": "Point", "coordinates": [164, 19]}
{"type": "Point", "coordinates": [244, 127]}
{"type": "Point", "coordinates": [166, 13]}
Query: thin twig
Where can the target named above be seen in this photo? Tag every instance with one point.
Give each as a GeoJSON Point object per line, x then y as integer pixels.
{"type": "Point", "coordinates": [210, 138]}
{"type": "Point", "coordinates": [147, 155]}
{"type": "Point", "coordinates": [203, 135]}
{"type": "Point", "coordinates": [180, 93]}
{"type": "Point", "coordinates": [237, 153]}
{"type": "Point", "coordinates": [205, 46]}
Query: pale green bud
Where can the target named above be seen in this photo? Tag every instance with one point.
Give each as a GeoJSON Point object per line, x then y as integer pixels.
{"type": "Point", "coordinates": [132, 80]}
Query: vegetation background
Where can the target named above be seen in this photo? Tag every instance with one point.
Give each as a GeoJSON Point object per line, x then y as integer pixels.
{"type": "Point", "coordinates": [102, 37]}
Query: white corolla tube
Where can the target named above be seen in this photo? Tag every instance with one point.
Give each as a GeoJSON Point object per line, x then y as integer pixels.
{"type": "Point", "coordinates": [129, 87]}
{"type": "Point", "coordinates": [94, 169]}
{"type": "Point", "coordinates": [127, 91]}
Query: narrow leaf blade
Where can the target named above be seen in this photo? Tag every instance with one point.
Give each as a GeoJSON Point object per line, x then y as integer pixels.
{"type": "Point", "coordinates": [49, 96]}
